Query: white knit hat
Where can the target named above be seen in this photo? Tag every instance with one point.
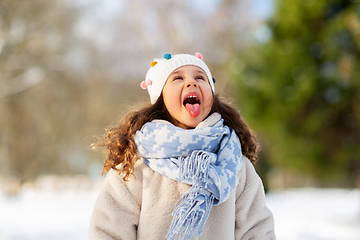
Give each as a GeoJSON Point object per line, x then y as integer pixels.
{"type": "Point", "coordinates": [161, 69]}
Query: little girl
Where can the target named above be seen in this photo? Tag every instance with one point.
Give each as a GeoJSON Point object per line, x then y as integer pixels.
{"type": "Point", "coordinates": [182, 167]}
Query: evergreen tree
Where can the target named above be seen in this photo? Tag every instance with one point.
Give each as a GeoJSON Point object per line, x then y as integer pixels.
{"type": "Point", "coordinates": [301, 89]}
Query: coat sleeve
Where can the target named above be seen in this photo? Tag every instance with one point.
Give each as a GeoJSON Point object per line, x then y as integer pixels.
{"type": "Point", "coordinates": [116, 212]}
{"type": "Point", "coordinates": [253, 220]}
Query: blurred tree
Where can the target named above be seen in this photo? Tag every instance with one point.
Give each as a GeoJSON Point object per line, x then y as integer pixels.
{"type": "Point", "coordinates": [52, 93]}
{"type": "Point", "coordinates": [34, 37]}
{"type": "Point", "coordinates": [143, 30]}
{"type": "Point", "coordinates": [299, 87]}
{"type": "Point", "coordinates": [67, 68]}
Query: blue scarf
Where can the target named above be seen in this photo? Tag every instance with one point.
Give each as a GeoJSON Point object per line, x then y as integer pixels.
{"type": "Point", "coordinates": [208, 158]}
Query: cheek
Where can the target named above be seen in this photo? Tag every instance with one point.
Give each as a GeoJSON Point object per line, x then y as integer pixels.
{"type": "Point", "coordinates": [208, 97]}
{"type": "Point", "coordinates": [208, 104]}
{"type": "Point", "coordinates": [171, 103]}
{"type": "Point", "coordinates": [167, 103]}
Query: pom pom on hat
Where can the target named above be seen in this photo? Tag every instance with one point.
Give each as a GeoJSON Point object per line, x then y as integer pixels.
{"type": "Point", "coordinates": [148, 82]}
{"type": "Point", "coordinates": [167, 56]}
{"type": "Point", "coordinates": [143, 85]}
{"type": "Point", "coordinates": [199, 55]}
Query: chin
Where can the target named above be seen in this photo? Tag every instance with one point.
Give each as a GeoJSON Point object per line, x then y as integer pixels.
{"type": "Point", "coordinates": [187, 125]}
{"type": "Point", "coordinates": [192, 124]}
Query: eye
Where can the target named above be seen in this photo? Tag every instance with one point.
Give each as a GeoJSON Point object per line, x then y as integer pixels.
{"type": "Point", "coordinates": [200, 77]}
{"type": "Point", "coordinates": [177, 78]}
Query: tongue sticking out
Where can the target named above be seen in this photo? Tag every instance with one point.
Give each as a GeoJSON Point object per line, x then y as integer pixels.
{"type": "Point", "coordinates": [193, 109]}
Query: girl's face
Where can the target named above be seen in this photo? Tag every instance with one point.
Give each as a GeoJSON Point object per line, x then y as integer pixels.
{"type": "Point", "coordinates": [188, 96]}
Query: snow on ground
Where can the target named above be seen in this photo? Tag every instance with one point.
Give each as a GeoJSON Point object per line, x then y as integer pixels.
{"type": "Point", "coordinates": [302, 214]}
{"type": "Point", "coordinates": [316, 214]}
{"type": "Point", "coordinates": [43, 215]}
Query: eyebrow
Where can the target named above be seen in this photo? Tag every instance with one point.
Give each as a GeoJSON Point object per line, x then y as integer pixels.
{"type": "Point", "coordinates": [180, 70]}
{"type": "Point", "coordinates": [176, 71]}
{"type": "Point", "coordinates": [201, 71]}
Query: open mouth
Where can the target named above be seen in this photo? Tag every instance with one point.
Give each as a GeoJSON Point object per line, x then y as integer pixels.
{"type": "Point", "coordinates": [191, 99]}
{"type": "Point", "coordinates": [192, 103]}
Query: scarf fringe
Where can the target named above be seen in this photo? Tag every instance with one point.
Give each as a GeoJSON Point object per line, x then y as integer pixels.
{"type": "Point", "coordinates": [195, 167]}
{"type": "Point", "coordinates": [190, 214]}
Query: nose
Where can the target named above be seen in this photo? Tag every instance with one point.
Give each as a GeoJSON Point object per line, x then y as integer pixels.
{"type": "Point", "coordinates": [191, 83]}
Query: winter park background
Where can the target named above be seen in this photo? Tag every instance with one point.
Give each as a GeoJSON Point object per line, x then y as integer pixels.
{"type": "Point", "coordinates": [69, 69]}
{"type": "Point", "coordinates": [300, 214]}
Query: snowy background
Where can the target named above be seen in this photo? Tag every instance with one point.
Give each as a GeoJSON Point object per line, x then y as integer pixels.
{"type": "Point", "coordinates": [300, 214]}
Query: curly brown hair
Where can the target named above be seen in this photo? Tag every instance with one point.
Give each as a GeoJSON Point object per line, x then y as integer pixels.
{"type": "Point", "coordinates": [121, 147]}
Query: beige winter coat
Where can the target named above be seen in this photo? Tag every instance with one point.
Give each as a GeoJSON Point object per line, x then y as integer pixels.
{"type": "Point", "coordinates": [141, 208]}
